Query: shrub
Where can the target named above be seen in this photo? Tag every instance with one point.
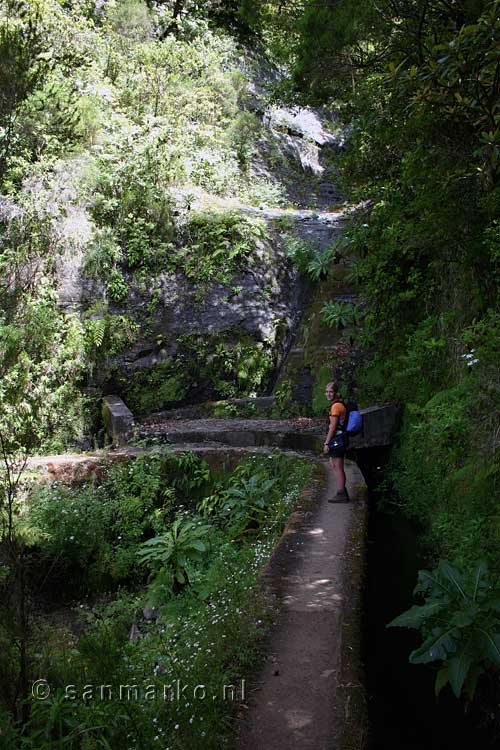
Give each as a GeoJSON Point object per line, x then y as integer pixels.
{"type": "Point", "coordinates": [131, 19]}
{"type": "Point", "coordinates": [246, 504]}
{"type": "Point", "coordinates": [339, 315]}
{"type": "Point", "coordinates": [321, 262]}
{"type": "Point", "coordinates": [158, 387]}
{"type": "Point", "coordinates": [103, 253]}
{"type": "Point", "coordinates": [460, 621]}
{"type": "Point", "coordinates": [217, 244]}
{"type": "Point", "coordinates": [284, 404]}
{"type": "Point", "coordinates": [91, 533]}
{"type": "Point", "coordinates": [301, 252]}
{"type": "Point", "coordinates": [171, 554]}
{"type": "Point", "coordinates": [228, 368]}
{"type": "Point", "coordinates": [242, 135]}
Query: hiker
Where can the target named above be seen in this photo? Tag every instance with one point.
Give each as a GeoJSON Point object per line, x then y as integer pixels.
{"type": "Point", "coordinates": [336, 441]}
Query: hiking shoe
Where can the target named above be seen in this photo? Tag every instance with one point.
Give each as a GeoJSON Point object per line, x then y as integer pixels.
{"type": "Point", "coordinates": [340, 497]}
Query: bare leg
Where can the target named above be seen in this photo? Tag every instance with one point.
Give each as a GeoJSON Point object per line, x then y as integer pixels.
{"type": "Point", "coordinates": [337, 465]}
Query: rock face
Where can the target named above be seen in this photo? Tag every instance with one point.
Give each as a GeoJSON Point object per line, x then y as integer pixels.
{"type": "Point", "coordinates": [263, 302]}
{"type": "Point", "coordinates": [303, 134]}
{"type": "Point", "coordinates": [260, 298]}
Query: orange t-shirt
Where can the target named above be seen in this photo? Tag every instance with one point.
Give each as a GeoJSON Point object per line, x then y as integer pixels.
{"type": "Point", "coordinates": [338, 410]}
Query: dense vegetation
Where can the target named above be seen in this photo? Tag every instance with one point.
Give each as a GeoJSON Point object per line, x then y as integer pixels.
{"type": "Point", "coordinates": [112, 116]}
{"type": "Point", "coordinates": [420, 84]}
{"type": "Point", "coordinates": [152, 564]}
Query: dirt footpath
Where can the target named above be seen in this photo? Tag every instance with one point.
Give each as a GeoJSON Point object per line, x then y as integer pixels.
{"type": "Point", "coordinates": [300, 700]}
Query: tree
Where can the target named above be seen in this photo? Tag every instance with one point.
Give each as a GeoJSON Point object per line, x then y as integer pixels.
{"type": "Point", "coordinates": [23, 68]}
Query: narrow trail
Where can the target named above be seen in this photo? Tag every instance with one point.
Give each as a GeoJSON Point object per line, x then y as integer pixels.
{"type": "Point", "coordinates": [301, 698]}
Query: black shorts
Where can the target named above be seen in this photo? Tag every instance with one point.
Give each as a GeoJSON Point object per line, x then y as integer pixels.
{"type": "Point", "coordinates": [337, 446]}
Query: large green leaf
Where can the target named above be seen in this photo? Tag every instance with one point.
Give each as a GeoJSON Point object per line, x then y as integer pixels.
{"type": "Point", "coordinates": [458, 668]}
{"type": "Point", "coordinates": [200, 546]}
{"type": "Point", "coordinates": [415, 616]}
{"type": "Point", "coordinates": [442, 678]}
{"type": "Point", "coordinates": [480, 571]}
{"type": "Point", "coordinates": [465, 617]}
{"type": "Point", "coordinates": [451, 574]}
{"type": "Point", "coordinates": [492, 646]}
{"type": "Point", "coordinates": [473, 675]}
{"type": "Point", "coordinates": [431, 584]}
{"type": "Point", "coordinates": [437, 646]}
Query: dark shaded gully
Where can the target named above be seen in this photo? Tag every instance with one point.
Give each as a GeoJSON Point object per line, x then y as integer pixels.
{"type": "Point", "coordinates": [404, 713]}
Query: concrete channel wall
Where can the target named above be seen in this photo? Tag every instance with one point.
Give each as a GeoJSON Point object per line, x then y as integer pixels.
{"type": "Point", "coordinates": [189, 425]}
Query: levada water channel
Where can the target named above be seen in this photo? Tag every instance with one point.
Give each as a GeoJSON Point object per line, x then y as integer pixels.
{"type": "Point", "coordinates": [403, 711]}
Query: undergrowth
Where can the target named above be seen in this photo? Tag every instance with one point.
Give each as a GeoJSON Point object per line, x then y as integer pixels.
{"type": "Point", "coordinates": [179, 625]}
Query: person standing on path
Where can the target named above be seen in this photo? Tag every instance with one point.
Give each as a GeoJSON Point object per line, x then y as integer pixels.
{"type": "Point", "coordinates": [336, 441]}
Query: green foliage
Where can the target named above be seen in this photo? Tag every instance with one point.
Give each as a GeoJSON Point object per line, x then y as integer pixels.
{"type": "Point", "coordinates": [8, 732]}
{"type": "Point", "coordinates": [91, 534]}
{"type": "Point", "coordinates": [191, 473]}
{"type": "Point", "coordinates": [217, 245]}
{"type": "Point", "coordinates": [284, 404]}
{"type": "Point", "coordinates": [321, 262]}
{"type": "Point", "coordinates": [209, 633]}
{"type": "Point", "coordinates": [301, 252]}
{"type": "Point", "coordinates": [460, 622]}
{"type": "Point", "coordinates": [242, 136]}
{"type": "Point", "coordinates": [445, 468]}
{"type": "Point", "coordinates": [319, 402]}
{"type": "Point", "coordinates": [98, 529]}
{"type": "Point", "coordinates": [69, 526]}
{"type": "Point", "coordinates": [24, 69]}
{"type": "Point", "coordinates": [170, 555]}
{"type": "Point", "coordinates": [56, 721]}
{"type": "Point", "coordinates": [156, 388]}
{"type": "Point", "coordinates": [417, 91]}
{"type": "Point", "coordinates": [42, 364]}
{"type": "Point", "coordinates": [340, 314]}
{"type": "Point", "coordinates": [50, 117]}
{"type": "Point", "coordinates": [103, 253]}
{"type": "Point", "coordinates": [335, 42]}
{"type": "Point", "coordinates": [133, 215]}
{"type": "Point", "coordinates": [246, 504]}
{"type": "Point", "coordinates": [310, 261]}
{"type": "Point", "coordinates": [131, 19]}
{"type": "Point", "coordinates": [102, 113]}
{"type": "Point", "coordinates": [227, 368]}
{"type": "Point", "coordinates": [224, 410]}
{"type": "Point", "coordinates": [105, 334]}
{"type": "Point", "coordinates": [117, 286]}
